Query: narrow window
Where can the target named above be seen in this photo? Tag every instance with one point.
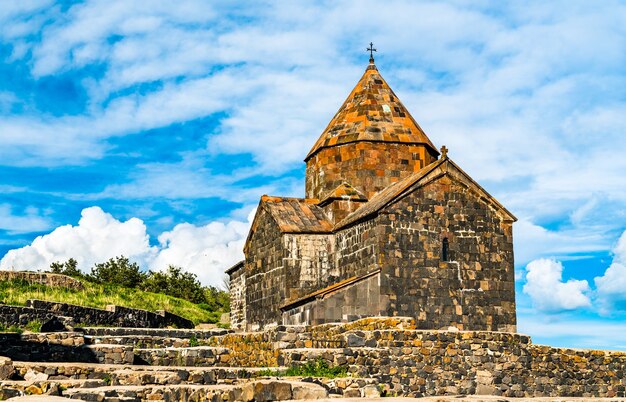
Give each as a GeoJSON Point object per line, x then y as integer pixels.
{"type": "Point", "coordinates": [445, 252]}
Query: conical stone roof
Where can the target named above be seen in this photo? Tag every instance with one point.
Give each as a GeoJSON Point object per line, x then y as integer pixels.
{"type": "Point", "coordinates": [372, 112]}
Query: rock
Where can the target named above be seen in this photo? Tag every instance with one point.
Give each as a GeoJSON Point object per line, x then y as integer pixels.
{"type": "Point", "coordinates": [302, 390]}
{"type": "Point", "coordinates": [352, 340]}
{"type": "Point", "coordinates": [35, 376]}
{"type": "Point", "coordinates": [6, 368]}
{"type": "Point", "coordinates": [266, 390]}
{"type": "Point", "coordinates": [371, 391]}
{"type": "Point", "coordinates": [33, 390]}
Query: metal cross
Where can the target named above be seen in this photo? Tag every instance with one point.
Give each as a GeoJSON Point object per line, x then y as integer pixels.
{"type": "Point", "coordinates": [371, 50]}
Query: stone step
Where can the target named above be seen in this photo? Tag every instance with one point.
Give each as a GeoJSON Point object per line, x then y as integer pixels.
{"type": "Point", "coordinates": [121, 375]}
{"type": "Point", "coordinates": [41, 385]}
{"type": "Point", "coordinates": [199, 356]}
{"type": "Point", "coordinates": [116, 374]}
{"type": "Point", "coordinates": [262, 390]}
{"type": "Point", "coordinates": [160, 332]}
{"type": "Point", "coordinates": [132, 393]}
{"type": "Point", "coordinates": [139, 341]}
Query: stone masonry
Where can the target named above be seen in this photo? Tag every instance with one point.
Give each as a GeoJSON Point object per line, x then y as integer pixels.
{"type": "Point", "coordinates": [389, 227]}
{"type": "Point", "coordinates": [383, 356]}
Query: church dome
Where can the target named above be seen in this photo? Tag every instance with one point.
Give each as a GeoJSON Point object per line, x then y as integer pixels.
{"type": "Point", "coordinates": [370, 143]}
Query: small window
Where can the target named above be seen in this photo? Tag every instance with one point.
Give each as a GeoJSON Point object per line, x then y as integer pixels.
{"type": "Point", "coordinates": [445, 250]}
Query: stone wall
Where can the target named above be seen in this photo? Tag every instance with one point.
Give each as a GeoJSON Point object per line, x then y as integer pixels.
{"type": "Point", "coordinates": [237, 292]}
{"type": "Point", "coordinates": [42, 278]}
{"type": "Point", "coordinates": [360, 249]}
{"type": "Point", "coordinates": [367, 166]}
{"type": "Point", "coordinates": [265, 273]}
{"type": "Point", "coordinates": [309, 263]}
{"type": "Point", "coordinates": [356, 300]}
{"type": "Point", "coordinates": [20, 315]}
{"type": "Point", "coordinates": [61, 347]}
{"type": "Point", "coordinates": [417, 363]}
{"type": "Point", "coordinates": [474, 288]}
{"type": "Point", "coordinates": [41, 311]}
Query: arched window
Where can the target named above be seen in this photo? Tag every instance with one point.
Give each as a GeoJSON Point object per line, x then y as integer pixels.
{"type": "Point", "coordinates": [445, 250]}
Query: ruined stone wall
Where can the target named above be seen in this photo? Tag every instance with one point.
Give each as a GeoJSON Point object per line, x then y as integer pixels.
{"type": "Point", "coordinates": [237, 292]}
{"type": "Point", "coordinates": [367, 166]}
{"type": "Point", "coordinates": [309, 263]}
{"type": "Point", "coordinates": [474, 289]}
{"type": "Point", "coordinates": [265, 273]}
{"type": "Point", "coordinates": [42, 278]}
{"type": "Point", "coordinates": [358, 300]}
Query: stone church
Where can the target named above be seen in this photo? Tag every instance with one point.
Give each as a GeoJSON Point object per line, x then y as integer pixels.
{"type": "Point", "coordinates": [389, 226]}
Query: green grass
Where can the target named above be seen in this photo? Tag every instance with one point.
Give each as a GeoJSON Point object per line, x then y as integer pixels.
{"type": "Point", "coordinates": [317, 368]}
{"type": "Point", "coordinates": [98, 296]}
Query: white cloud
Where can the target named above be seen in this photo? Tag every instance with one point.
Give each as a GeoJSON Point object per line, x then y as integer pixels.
{"type": "Point", "coordinates": [548, 292]}
{"type": "Point", "coordinates": [97, 237]}
{"type": "Point", "coordinates": [533, 241]}
{"type": "Point", "coordinates": [611, 287]}
{"type": "Point", "coordinates": [204, 250]}
{"type": "Point", "coordinates": [30, 221]}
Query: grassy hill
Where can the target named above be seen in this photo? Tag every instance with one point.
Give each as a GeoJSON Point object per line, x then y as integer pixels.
{"type": "Point", "coordinates": [99, 295]}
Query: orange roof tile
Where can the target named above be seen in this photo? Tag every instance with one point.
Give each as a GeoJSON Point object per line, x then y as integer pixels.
{"type": "Point", "coordinates": [343, 192]}
{"type": "Point", "coordinates": [297, 215]}
{"type": "Point", "coordinates": [372, 112]}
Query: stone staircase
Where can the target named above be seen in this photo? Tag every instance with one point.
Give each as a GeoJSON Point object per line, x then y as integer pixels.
{"type": "Point", "coordinates": [378, 356]}
{"type": "Point", "coordinates": [136, 364]}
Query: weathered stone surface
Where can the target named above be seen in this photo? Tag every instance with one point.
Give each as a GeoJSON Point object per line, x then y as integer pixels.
{"type": "Point", "coordinates": [304, 390]}
{"type": "Point", "coordinates": [266, 390]}
{"type": "Point", "coordinates": [6, 368]}
{"type": "Point", "coordinates": [42, 278]}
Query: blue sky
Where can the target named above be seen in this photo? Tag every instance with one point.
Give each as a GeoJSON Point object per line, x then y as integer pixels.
{"type": "Point", "coordinates": [152, 131]}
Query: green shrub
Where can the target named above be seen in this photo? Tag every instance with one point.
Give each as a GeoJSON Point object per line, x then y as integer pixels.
{"type": "Point", "coordinates": [33, 326]}
{"type": "Point", "coordinates": [119, 271]}
{"type": "Point", "coordinates": [69, 268]}
{"type": "Point", "coordinates": [193, 341]}
{"type": "Point", "coordinates": [317, 368]}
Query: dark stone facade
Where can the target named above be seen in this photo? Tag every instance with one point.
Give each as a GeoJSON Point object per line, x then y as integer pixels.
{"type": "Point", "coordinates": [441, 246]}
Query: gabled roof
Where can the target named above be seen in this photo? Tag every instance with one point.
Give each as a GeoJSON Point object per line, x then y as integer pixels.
{"type": "Point", "coordinates": [297, 215]}
{"type": "Point", "coordinates": [372, 112]}
{"type": "Point", "coordinates": [418, 179]}
{"type": "Point", "coordinates": [344, 191]}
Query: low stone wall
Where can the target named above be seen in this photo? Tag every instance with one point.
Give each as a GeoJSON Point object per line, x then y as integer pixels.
{"type": "Point", "coordinates": [160, 332]}
{"type": "Point", "coordinates": [20, 315]}
{"type": "Point", "coordinates": [61, 347]}
{"type": "Point", "coordinates": [254, 349]}
{"type": "Point", "coordinates": [114, 315]}
{"type": "Point", "coordinates": [201, 356]}
{"type": "Point", "coordinates": [42, 278]}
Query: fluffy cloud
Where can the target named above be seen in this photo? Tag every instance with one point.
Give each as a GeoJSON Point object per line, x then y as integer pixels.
{"type": "Point", "coordinates": [97, 237]}
{"type": "Point", "coordinates": [548, 292]}
{"type": "Point", "coordinates": [611, 287]}
{"type": "Point", "coordinates": [204, 250]}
